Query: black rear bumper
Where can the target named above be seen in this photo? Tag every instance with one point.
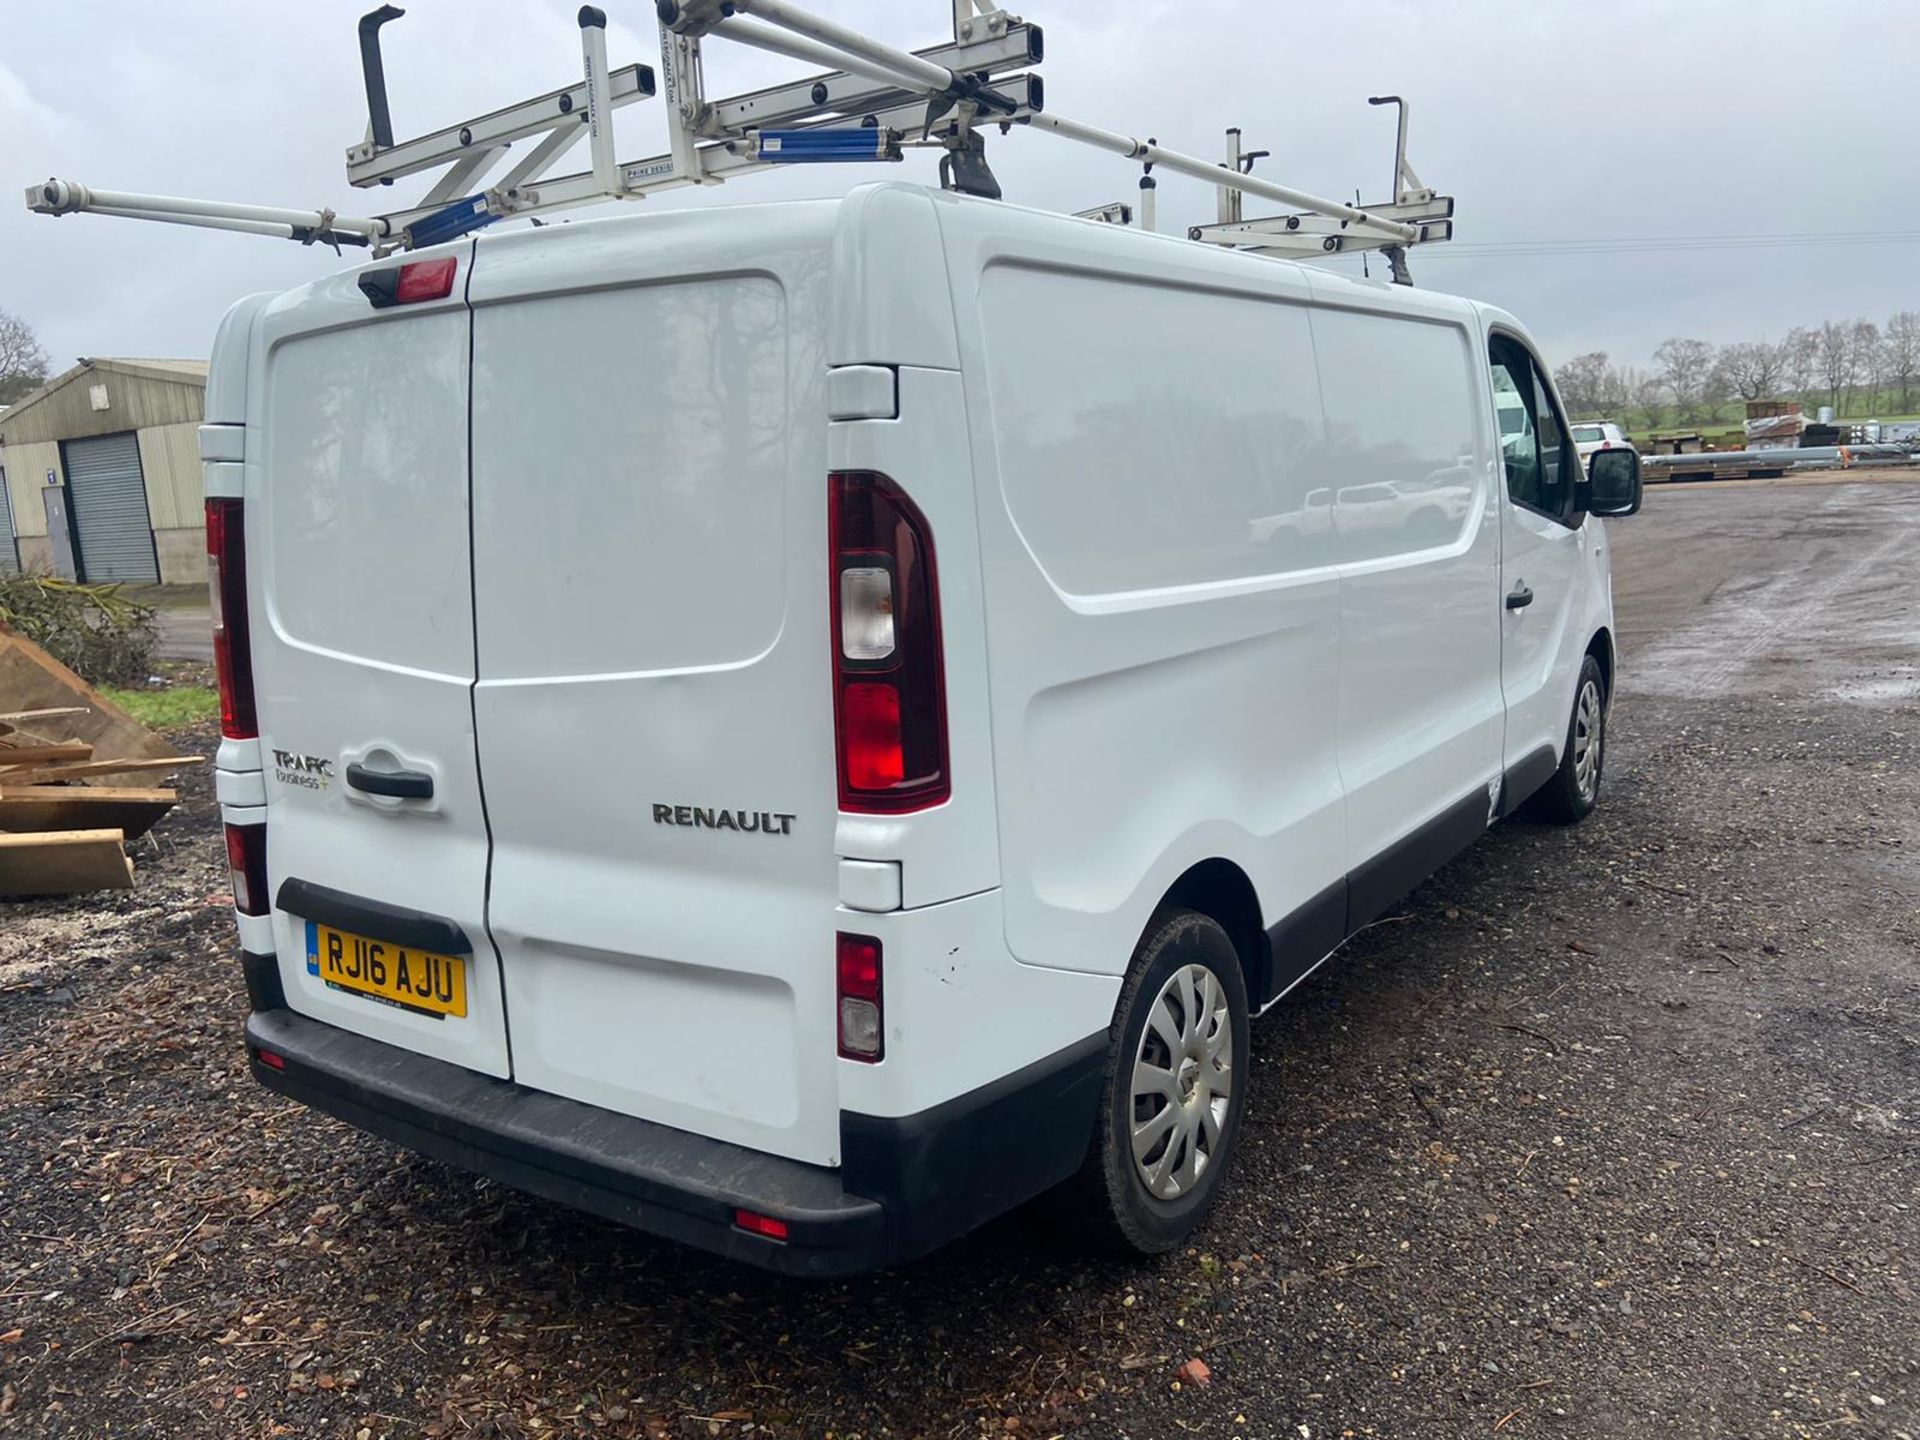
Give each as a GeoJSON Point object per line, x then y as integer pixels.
{"type": "Point", "coordinates": [906, 1184]}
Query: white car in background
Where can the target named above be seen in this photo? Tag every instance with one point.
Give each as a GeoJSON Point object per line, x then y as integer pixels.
{"type": "Point", "coordinates": [1600, 435]}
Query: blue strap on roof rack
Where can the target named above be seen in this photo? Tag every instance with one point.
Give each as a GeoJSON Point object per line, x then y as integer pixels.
{"type": "Point", "coordinates": [451, 222]}
{"type": "Point", "coordinates": [825, 145]}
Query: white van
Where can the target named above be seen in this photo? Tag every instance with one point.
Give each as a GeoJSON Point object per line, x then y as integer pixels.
{"type": "Point", "coordinates": [799, 727]}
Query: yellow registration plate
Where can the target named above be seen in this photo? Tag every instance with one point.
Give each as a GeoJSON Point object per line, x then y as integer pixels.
{"type": "Point", "coordinates": [381, 970]}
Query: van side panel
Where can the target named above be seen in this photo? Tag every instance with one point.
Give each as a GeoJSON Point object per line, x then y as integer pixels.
{"type": "Point", "coordinates": [1418, 538]}
{"type": "Point", "coordinates": [1162, 619]}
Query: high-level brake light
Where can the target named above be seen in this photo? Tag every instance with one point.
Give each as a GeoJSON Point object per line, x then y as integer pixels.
{"type": "Point", "coordinates": [890, 708]}
{"type": "Point", "coordinates": [410, 283]}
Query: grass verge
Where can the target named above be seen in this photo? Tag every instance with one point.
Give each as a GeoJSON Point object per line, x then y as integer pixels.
{"type": "Point", "coordinates": [170, 708]}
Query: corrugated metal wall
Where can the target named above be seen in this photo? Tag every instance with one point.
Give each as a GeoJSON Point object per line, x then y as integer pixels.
{"type": "Point", "coordinates": [134, 402]}
{"type": "Point", "coordinates": [113, 535]}
{"type": "Point", "coordinates": [27, 467]}
{"type": "Point", "coordinates": [170, 456]}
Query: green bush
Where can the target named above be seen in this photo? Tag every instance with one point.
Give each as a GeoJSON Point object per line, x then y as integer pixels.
{"type": "Point", "coordinates": [104, 636]}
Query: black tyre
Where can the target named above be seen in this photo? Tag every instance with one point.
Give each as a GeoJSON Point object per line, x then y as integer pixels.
{"type": "Point", "coordinates": [1569, 797]}
{"type": "Point", "coordinates": [1175, 1088]}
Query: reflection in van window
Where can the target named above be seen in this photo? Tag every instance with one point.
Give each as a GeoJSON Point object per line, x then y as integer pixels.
{"type": "Point", "coordinates": [1400, 431]}
{"type": "Point", "coordinates": [1113, 489]}
{"type": "Point", "coordinates": [1558, 461]}
{"type": "Point", "coordinates": [1519, 446]}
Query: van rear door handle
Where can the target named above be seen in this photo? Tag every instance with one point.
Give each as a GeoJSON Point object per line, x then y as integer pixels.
{"type": "Point", "coordinates": [394, 784]}
{"type": "Point", "coordinates": [1518, 598]}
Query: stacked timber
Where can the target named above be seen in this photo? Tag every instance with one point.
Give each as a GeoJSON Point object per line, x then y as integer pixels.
{"type": "Point", "coordinates": [75, 772]}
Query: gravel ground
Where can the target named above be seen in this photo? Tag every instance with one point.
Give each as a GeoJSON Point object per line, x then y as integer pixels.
{"type": "Point", "coordinates": [1609, 1132]}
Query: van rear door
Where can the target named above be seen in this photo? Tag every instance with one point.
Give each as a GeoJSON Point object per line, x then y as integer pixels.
{"type": "Point", "coordinates": [362, 620]}
{"type": "Point", "coordinates": [654, 710]}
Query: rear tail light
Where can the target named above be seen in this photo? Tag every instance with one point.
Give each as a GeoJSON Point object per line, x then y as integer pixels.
{"type": "Point", "coordinates": [890, 707]}
{"type": "Point", "coordinates": [247, 858]}
{"type": "Point", "coordinates": [857, 987]}
{"type": "Point", "coordinates": [227, 584]}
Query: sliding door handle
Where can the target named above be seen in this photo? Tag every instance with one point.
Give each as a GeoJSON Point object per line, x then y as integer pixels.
{"type": "Point", "coordinates": [1519, 597]}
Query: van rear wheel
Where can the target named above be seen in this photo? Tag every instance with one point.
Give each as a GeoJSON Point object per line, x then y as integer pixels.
{"type": "Point", "coordinates": [1175, 1088]}
{"type": "Point", "coordinates": [1570, 796]}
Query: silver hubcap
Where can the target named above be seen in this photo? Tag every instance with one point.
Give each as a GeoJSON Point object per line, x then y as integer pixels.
{"type": "Point", "coordinates": [1182, 1082]}
{"type": "Point", "coordinates": [1586, 741]}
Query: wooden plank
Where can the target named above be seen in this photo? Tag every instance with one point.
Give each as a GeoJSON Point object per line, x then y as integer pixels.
{"type": "Point", "coordinates": [31, 679]}
{"type": "Point", "coordinates": [83, 769]}
{"type": "Point", "coordinates": [37, 809]}
{"type": "Point", "coordinates": [71, 863]}
{"type": "Point", "coordinates": [17, 716]}
{"type": "Point", "coordinates": [17, 757]}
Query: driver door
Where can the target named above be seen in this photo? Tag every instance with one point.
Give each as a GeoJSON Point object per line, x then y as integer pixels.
{"type": "Point", "coordinates": [1541, 575]}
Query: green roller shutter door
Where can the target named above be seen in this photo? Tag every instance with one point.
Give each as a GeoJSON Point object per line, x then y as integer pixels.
{"type": "Point", "coordinates": [112, 531]}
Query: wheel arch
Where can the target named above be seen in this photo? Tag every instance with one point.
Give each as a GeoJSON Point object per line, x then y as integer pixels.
{"type": "Point", "coordinates": [1601, 649]}
{"type": "Point", "coordinates": [1220, 889]}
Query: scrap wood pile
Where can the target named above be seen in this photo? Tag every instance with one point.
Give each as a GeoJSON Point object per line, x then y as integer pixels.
{"type": "Point", "coordinates": [73, 772]}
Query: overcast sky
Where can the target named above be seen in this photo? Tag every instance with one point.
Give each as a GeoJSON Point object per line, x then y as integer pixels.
{"type": "Point", "coordinates": [1549, 120]}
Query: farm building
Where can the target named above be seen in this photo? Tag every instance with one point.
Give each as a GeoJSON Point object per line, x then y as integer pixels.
{"type": "Point", "coordinates": [100, 474]}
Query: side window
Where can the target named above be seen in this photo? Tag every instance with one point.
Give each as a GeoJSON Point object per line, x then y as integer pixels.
{"type": "Point", "coordinates": [1558, 461]}
{"type": "Point", "coordinates": [1536, 449]}
{"type": "Point", "coordinates": [1513, 407]}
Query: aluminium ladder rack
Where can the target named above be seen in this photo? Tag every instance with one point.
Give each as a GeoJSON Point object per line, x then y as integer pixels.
{"type": "Point", "coordinates": [871, 103]}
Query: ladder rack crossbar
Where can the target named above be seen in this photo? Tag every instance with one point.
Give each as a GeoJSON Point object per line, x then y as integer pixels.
{"type": "Point", "coordinates": [1252, 231]}
{"type": "Point", "coordinates": [1017, 47]}
{"type": "Point", "coordinates": [918, 73]}
{"type": "Point", "coordinates": [370, 165]}
{"type": "Point", "coordinates": [721, 160]}
{"type": "Point", "coordinates": [1214, 174]}
{"type": "Point", "coordinates": [798, 47]}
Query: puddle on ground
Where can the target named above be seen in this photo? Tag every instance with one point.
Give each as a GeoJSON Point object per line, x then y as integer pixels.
{"type": "Point", "coordinates": [1880, 690]}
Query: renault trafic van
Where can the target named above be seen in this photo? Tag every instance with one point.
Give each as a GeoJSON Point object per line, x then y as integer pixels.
{"type": "Point", "coordinates": [800, 727]}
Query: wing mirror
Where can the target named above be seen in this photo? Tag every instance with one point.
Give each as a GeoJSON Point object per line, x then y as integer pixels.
{"type": "Point", "coordinates": [1613, 483]}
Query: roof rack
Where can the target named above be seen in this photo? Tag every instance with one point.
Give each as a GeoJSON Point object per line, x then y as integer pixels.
{"type": "Point", "coordinates": [871, 103]}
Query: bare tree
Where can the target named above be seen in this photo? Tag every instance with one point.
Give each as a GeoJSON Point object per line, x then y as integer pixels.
{"type": "Point", "coordinates": [1614, 394]}
{"type": "Point", "coordinates": [1800, 360]}
{"type": "Point", "coordinates": [1902, 355]}
{"type": "Point", "coordinates": [1645, 390]}
{"type": "Point", "coordinates": [1584, 382]}
{"type": "Point", "coordinates": [1863, 340]}
{"type": "Point", "coordinates": [1714, 392]}
{"type": "Point", "coordinates": [1751, 369]}
{"type": "Point", "coordinates": [1835, 350]}
{"type": "Point", "coordinates": [1686, 368]}
{"type": "Point", "coordinates": [23, 364]}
